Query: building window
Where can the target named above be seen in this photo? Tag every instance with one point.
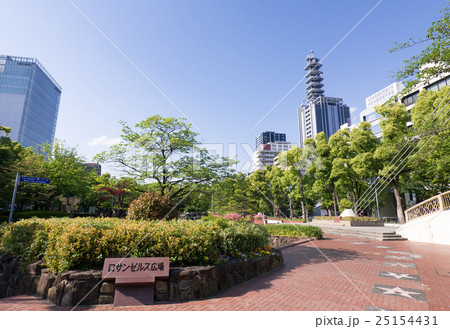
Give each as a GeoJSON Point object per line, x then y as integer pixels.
{"type": "Point", "coordinates": [411, 99]}
{"type": "Point", "coordinates": [376, 129]}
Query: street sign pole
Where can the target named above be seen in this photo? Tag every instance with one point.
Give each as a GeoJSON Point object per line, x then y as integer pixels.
{"type": "Point", "coordinates": [14, 198]}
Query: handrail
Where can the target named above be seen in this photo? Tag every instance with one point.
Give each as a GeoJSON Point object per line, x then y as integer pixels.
{"type": "Point", "coordinates": [438, 203]}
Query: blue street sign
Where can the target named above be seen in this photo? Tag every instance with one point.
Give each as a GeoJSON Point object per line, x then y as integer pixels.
{"type": "Point", "coordinates": [36, 180]}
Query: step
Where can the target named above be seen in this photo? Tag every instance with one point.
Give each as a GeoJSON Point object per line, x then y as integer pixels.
{"type": "Point", "coordinates": [381, 236]}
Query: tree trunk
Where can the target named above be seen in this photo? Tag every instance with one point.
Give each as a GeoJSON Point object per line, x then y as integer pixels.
{"type": "Point", "coordinates": [303, 200]}
{"type": "Point", "coordinates": [334, 202]}
{"type": "Point", "coordinates": [398, 201]}
{"type": "Point", "coordinates": [303, 210]}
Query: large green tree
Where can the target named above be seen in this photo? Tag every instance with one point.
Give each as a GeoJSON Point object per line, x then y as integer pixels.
{"type": "Point", "coordinates": [324, 186]}
{"type": "Point", "coordinates": [64, 167]}
{"type": "Point", "coordinates": [261, 191]}
{"type": "Point", "coordinates": [165, 151]}
{"type": "Point", "coordinates": [394, 149]}
{"type": "Point", "coordinates": [353, 161]}
{"type": "Point", "coordinates": [431, 161]}
{"type": "Point", "coordinates": [9, 153]}
{"type": "Point", "coordinates": [434, 59]}
{"type": "Point", "coordinates": [296, 178]}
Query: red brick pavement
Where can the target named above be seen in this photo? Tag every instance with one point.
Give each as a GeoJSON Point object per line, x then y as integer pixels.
{"type": "Point", "coordinates": [333, 274]}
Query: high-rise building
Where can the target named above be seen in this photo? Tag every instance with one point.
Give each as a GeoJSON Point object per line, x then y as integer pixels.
{"type": "Point", "coordinates": [266, 153]}
{"type": "Point", "coordinates": [29, 100]}
{"type": "Point", "coordinates": [369, 114]}
{"type": "Point", "coordinates": [270, 136]}
{"type": "Point", "coordinates": [320, 113]}
{"type": "Point", "coordinates": [94, 167]}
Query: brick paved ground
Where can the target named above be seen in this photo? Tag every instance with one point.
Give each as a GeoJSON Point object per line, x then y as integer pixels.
{"type": "Point", "coordinates": [335, 274]}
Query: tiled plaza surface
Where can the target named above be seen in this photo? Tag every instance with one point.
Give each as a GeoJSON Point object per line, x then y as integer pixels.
{"type": "Point", "coordinates": [335, 274]}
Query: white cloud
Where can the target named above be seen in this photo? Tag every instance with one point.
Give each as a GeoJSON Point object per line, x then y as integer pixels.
{"type": "Point", "coordinates": [353, 110]}
{"type": "Point", "coordinates": [104, 140]}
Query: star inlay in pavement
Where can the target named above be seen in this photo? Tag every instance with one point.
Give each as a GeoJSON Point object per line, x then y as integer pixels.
{"type": "Point", "coordinates": [398, 257]}
{"type": "Point", "coordinates": [405, 265]}
{"type": "Point", "coordinates": [401, 276]}
{"type": "Point", "coordinates": [399, 252]}
{"type": "Point", "coordinates": [374, 308]}
{"type": "Point", "coordinates": [400, 292]}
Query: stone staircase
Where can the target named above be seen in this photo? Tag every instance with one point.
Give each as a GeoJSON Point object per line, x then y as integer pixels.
{"type": "Point", "coordinates": [376, 234]}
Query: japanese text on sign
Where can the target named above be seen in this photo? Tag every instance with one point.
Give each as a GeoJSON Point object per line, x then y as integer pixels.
{"type": "Point", "coordinates": [136, 267]}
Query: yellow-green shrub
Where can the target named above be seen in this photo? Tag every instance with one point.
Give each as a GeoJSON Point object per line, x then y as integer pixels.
{"type": "Point", "coordinates": [84, 243]}
{"type": "Point", "coordinates": [25, 239]}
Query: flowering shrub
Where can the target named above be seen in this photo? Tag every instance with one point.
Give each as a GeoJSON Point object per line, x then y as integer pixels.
{"type": "Point", "coordinates": [266, 250]}
{"type": "Point", "coordinates": [233, 216]}
{"type": "Point", "coordinates": [152, 206]}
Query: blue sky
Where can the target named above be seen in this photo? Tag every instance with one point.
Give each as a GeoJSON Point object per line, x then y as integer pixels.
{"type": "Point", "coordinates": [223, 64]}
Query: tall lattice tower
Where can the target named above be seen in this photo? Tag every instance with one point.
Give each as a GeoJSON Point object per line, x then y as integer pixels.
{"type": "Point", "coordinates": [319, 112]}
{"type": "Point", "coordinates": [313, 78]}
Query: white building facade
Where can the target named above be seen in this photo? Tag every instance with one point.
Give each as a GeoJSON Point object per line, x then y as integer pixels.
{"type": "Point", "coordinates": [369, 114]}
{"type": "Point", "coordinates": [266, 153]}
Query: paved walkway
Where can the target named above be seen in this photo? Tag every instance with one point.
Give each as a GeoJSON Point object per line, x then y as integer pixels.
{"type": "Point", "coordinates": [335, 274]}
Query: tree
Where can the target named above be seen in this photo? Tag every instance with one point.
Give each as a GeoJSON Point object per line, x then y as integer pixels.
{"type": "Point", "coordinates": [9, 153]}
{"type": "Point", "coordinates": [324, 186]}
{"type": "Point", "coordinates": [433, 60]}
{"type": "Point", "coordinates": [165, 151]}
{"type": "Point", "coordinates": [279, 192]}
{"type": "Point", "coordinates": [430, 174]}
{"type": "Point", "coordinates": [353, 161]}
{"type": "Point", "coordinates": [67, 170]}
{"type": "Point", "coordinates": [261, 191]}
{"type": "Point", "coordinates": [395, 132]}
{"type": "Point", "coordinates": [62, 165]}
{"type": "Point", "coordinates": [295, 162]}
{"type": "Point", "coordinates": [115, 193]}
{"type": "Point", "coordinates": [364, 144]}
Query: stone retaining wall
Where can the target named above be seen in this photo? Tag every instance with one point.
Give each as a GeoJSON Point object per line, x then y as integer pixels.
{"type": "Point", "coordinates": [277, 241]}
{"type": "Point", "coordinates": [69, 288]}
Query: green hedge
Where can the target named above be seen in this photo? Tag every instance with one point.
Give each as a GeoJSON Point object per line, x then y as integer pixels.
{"type": "Point", "coordinates": [25, 214]}
{"type": "Point", "coordinates": [83, 243]}
{"type": "Point", "coordinates": [294, 230]}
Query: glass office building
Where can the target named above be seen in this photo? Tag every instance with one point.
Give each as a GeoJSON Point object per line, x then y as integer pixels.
{"type": "Point", "coordinates": [29, 100]}
{"type": "Point", "coordinates": [270, 136]}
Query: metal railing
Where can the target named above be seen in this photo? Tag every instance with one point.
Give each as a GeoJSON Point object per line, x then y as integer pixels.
{"type": "Point", "coordinates": [438, 203]}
